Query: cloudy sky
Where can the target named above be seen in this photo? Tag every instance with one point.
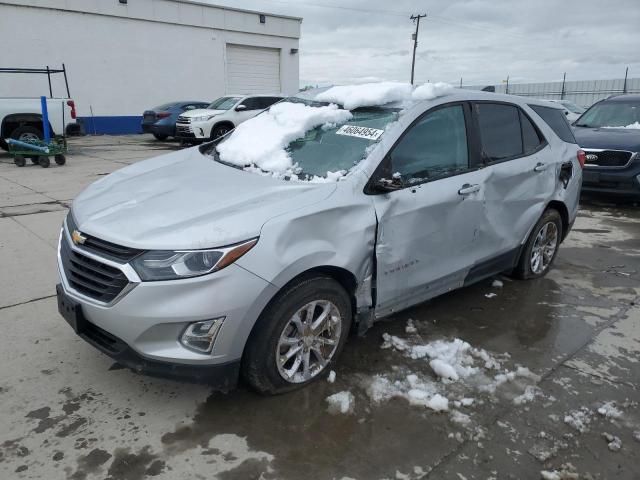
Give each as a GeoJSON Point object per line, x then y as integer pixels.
{"type": "Point", "coordinates": [480, 41]}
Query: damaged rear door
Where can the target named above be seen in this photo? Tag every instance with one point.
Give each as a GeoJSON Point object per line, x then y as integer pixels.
{"type": "Point", "coordinates": [428, 225]}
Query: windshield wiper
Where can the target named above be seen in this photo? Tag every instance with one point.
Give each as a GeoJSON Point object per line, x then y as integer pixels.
{"type": "Point", "coordinates": [216, 156]}
{"type": "Point", "coordinates": [582, 125]}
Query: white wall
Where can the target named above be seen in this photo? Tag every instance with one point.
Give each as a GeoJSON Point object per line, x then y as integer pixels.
{"type": "Point", "coordinates": [122, 66]}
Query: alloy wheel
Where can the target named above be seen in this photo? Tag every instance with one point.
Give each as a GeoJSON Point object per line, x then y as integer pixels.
{"type": "Point", "coordinates": [544, 247]}
{"type": "Point", "coordinates": [308, 341]}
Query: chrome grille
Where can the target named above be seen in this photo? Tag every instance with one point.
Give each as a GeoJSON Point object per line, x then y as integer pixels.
{"type": "Point", "coordinates": [607, 158]}
{"type": "Point", "coordinates": [182, 119]}
{"type": "Point", "coordinates": [103, 248]}
{"type": "Point", "coordinates": [90, 277]}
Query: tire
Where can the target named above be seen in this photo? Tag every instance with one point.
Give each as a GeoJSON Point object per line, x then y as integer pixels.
{"type": "Point", "coordinates": [45, 162]}
{"type": "Point", "coordinates": [26, 132]}
{"type": "Point", "coordinates": [34, 159]}
{"type": "Point", "coordinates": [20, 161]}
{"type": "Point", "coordinates": [220, 130]}
{"type": "Point", "coordinates": [527, 267]}
{"type": "Point", "coordinates": [60, 159]}
{"type": "Point", "coordinates": [160, 136]}
{"type": "Point", "coordinates": [262, 352]}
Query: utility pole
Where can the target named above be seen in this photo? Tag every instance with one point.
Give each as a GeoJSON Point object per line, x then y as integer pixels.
{"type": "Point", "coordinates": [415, 41]}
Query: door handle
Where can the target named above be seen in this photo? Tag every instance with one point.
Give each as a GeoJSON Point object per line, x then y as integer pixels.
{"type": "Point", "coordinates": [468, 189]}
{"type": "Point", "coordinates": [540, 167]}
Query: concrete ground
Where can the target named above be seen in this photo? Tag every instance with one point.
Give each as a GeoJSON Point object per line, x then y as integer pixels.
{"type": "Point", "coordinates": [67, 411]}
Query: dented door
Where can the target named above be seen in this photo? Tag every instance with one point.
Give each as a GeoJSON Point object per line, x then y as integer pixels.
{"type": "Point", "coordinates": [426, 239]}
{"type": "Point", "coordinates": [427, 229]}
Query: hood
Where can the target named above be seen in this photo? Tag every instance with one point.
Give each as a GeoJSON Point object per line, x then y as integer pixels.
{"type": "Point", "coordinates": [608, 138]}
{"type": "Point", "coordinates": [201, 112]}
{"type": "Point", "coordinates": [187, 200]}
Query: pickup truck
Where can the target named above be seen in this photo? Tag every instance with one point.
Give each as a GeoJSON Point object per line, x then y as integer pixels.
{"type": "Point", "coordinates": [21, 118]}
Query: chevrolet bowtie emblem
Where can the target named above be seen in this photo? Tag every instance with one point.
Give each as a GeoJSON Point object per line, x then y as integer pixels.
{"type": "Point", "coordinates": [77, 237]}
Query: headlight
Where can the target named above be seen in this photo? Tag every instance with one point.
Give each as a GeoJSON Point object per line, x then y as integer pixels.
{"type": "Point", "coordinates": [204, 118]}
{"type": "Point", "coordinates": [171, 265]}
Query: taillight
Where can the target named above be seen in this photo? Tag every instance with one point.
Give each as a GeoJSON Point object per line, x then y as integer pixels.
{"type": "Point", "coordinates": [163, 114]}
{"type": "Point", "coordinates": [582, 158]}
{"type": "Point", "coordinates": [72, 104]}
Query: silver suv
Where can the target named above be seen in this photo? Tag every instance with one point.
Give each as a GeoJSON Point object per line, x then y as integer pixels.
{"type": "Point", "coordinates": [201, 264]}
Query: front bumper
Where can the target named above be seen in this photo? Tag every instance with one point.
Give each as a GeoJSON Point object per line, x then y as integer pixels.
{"type": "Point", "coordinates": [169, 130]}
{"type": "Point", "coordinates": [622, 183]}
{"type": "Point", "coordinates": [148, 318]}
{"type": "Point", "coordinates": [193, 130]}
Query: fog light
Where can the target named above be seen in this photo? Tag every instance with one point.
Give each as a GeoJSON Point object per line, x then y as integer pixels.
{"type": "Point", "coordinates": [200, 336]}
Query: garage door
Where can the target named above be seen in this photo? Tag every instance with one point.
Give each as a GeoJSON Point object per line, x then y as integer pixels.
{"type": "Point", "coordinates": [253, 69]}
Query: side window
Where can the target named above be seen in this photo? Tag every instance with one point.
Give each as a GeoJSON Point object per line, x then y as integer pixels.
{"type": "Point", "coordinates": [268, 101]}
{"type": "Point", "coordinates": [434, 147]}
{"type": "Point", "coordinates": [499, 131]}
{"type": "Point", "coordinates": [190, 106]}
{"type": "Point", "coordinates": [531, 137]}
{"type": "Point", "coordinates": [557, 120]}
{"type": "Point", "coordinates": [252, 103]}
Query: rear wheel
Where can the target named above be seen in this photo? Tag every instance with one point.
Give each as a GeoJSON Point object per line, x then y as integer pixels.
{"type": "Point", "coordinates": [45, 162]}
{"type": "Point", "coordinates": [27, 133]}
{"type": "Point", "coordinates": [160, 136]}
{"type": "Point", "coordinates": [20, 161]}
{"type": "Point", "coordinates": [542, 246]}
{"type": "Point", "coordinates": [298, 337]}
{"type": "Point", "coordinates": [60, 159]}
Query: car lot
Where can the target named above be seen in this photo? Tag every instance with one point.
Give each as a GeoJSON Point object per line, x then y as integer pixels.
{"type": "Point", "coordinates": [67, 411]}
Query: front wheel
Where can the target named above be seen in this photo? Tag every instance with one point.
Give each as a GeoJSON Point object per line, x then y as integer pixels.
{"type": "Point", "coordinates": [219, 131]}
{"type": "Point", "coordinates": [298, 337]}
{"type": "Point", "coordinates": [542, 246]}
{"type": "Point", "coordinates": [160, 136]}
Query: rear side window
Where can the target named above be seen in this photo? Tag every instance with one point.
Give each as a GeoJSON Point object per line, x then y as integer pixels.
{"type": "Point", "coordinates": [557, 120]}
{"type": "Point", "coordinates": [531, 137]}
{"type": "Point", "coordinates": [253, 103]}
{"type": "Point", "coordinates": [499, 130]}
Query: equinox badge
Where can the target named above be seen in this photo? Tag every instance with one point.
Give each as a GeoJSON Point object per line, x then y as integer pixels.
{"type": "Point", "coordinates": [77, 237]}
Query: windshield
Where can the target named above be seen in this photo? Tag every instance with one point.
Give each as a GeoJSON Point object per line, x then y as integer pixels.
{"type": "Point", "coordinates": [337, 147]}
{"type": "Point", "coordinates": [610, 114]}
{"type": "Point", "coordinates": [223, 103]}
{"type": "Point", "coordinates": [164, 106]}
{"type": "Point", "coordinates": [572, 107]}
{"type": "Point", "coordinates": [335, 141]}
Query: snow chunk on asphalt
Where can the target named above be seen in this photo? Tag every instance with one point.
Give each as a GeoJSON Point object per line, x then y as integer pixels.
{"type": "Point", "coordinates": [332, 377]}
{"type": "Point", "coordinates": [429, 91]}
{"type": "Point", "coordinates": [366, 94]}
{"type": "Point", "coordinates": [415, 391]}
{"type": "Point", "coordinates": [410, 328]}
{"type": "Point", "coordinates": [443, 369]}
{"type": "Point", "coordinates": [566, 473]}
{"type": "Point", "coordinates": [341, 402]}
{"type": "Point", "coordinates": [261, 140]}
{"type": "Point", "coordinates": [636, 436]}
{"type": "Point", "coordinates": [497, 283]}
{"type": "Point", "coordinates": [609, 410]}
{"type": "Point", "coordinates": [530, 393]}
{"type": "Point", "coordinates": [490, 295]}
{"type": "Point", "coordinates": [579, 419]}
{"type": "Point", "coordinates": [614, 443]}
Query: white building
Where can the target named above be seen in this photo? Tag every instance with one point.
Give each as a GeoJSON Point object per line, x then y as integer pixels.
{"type": "Point", "coordinates": [126, 56]}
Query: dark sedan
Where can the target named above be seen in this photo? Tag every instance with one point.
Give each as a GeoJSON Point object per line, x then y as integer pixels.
{"type": "Point", "coordinates": [161, 121]}
{"type": "Point", "coordinates": [609, 133]}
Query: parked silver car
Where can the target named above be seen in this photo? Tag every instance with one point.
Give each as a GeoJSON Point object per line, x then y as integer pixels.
{"type": "Point", "coordinates": [193, 266]}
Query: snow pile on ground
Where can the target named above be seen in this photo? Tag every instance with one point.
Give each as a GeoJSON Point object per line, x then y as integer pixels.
{"type": "Point", "coordinates": [366, 94]}
{"type": "Point", "coordinates": [529, 395]}
{"type": "Point", "coordinates": [633, 126]}
{"type": "Point", "coordinates": [260, 141]}
{"type": "Point", "coordinates": [566, 472]}
{"type": "Point", "coordinates": [341, 402]}
{"type": "Point", "coordinates": [372, 94]}
{"type": "Point", "coordinates": [614, 443]}
{"type": "Point", "coordinates": [609, 410]}
{"type": "Point", "coordinates": [579, 419]}
{"type": "Point", "coordinates": [416, 391]}
{"type": "Point", "coordinates": [429, 91]}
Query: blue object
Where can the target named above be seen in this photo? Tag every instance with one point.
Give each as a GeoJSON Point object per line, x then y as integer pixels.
{"type": "Point", "coordinates": [45, 120]}
{"type": "Point", "coordinates": [111, 125]}
{"type": "Point", "coordinates": [28, 146]}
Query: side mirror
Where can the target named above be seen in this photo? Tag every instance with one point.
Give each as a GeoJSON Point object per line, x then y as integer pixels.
{"type": "Point", "coordinates": [389, 185]}
{"type": "Point", "coordinates": [241, 108]}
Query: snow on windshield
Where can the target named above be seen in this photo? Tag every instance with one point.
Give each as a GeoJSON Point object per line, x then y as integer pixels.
{"type": "Point", "coordinates": [633, 126]}
{"type": "Point", "coordinates": [261, 141]}
{"type": "Point", "coordinates": [374, 94]}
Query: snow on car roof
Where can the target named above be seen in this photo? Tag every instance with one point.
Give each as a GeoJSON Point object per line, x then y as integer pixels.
{"type": "Point", "coordinates": [381, 93]}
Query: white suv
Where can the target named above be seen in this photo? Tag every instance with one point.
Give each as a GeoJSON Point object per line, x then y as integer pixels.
{"type": "Point", "coordinates": [222, 116]}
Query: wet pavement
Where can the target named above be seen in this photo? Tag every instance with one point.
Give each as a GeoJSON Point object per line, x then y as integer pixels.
{"type": "Point", "coordinates": [67, 411]}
